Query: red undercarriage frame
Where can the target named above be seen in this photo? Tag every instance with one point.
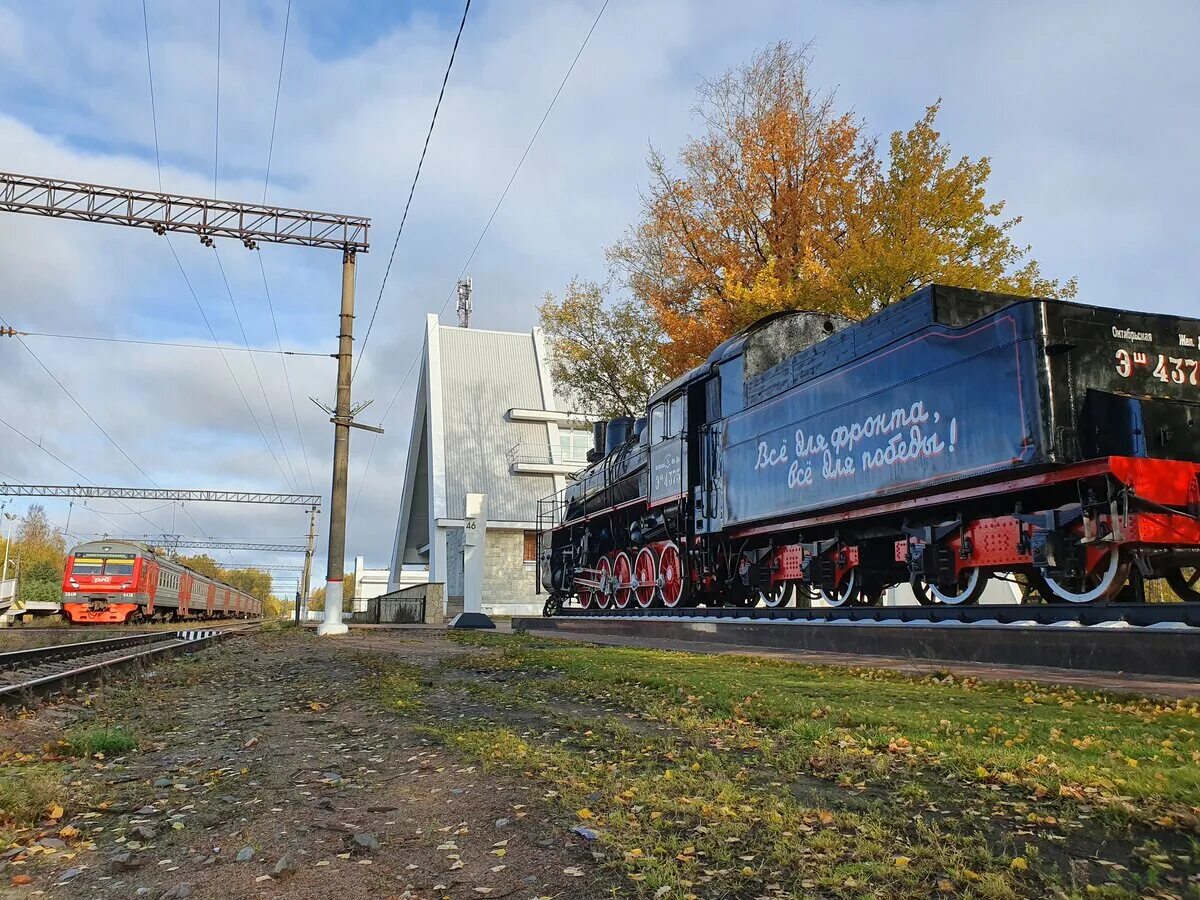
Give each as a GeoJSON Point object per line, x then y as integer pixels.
{"type": "Point", "coordinates": [1007, 542]}
{"type": "Point", "coordinates": [83, 613]}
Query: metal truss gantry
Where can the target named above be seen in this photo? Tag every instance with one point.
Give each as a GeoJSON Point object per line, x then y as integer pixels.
{"type": "Point", "coordinates": [125, 493]}
{"type": "Point", "coordinates": [249, 223]}
{"type": "Point", "coordinates": [206, 217]}
{"type": "Point", "coordinates": [174, 542]}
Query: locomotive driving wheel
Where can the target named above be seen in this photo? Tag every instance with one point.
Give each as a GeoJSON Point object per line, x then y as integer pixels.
{"type": "Point", "coordinates": [623, 576]}
{"type": "Point", "coordinates": [966, 590]}
{"type": "Point", "coordinates": [1102, 581]}
{"type": "Point", "coordinates": [645, 578]}
{"type": "Point", "coordinates": [845, 593]}
{"type": "Point", "coordinates": [585, 596]}
{"type": "Point", "coordinates": [778, 595]}
{"type": "Point", "coordinates": [672, 586]}
{"type": "Point", "coordinates": [1185, 582]}
{"type": "Point", "coordinates": [604, 593]}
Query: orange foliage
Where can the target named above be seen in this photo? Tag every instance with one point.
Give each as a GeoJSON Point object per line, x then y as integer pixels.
{"type": "Point", "coordinates": [784, 204]}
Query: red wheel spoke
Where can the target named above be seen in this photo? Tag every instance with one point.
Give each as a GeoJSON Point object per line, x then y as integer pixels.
{"type": "Point", "coordinates": [646, 573]}
{"type": "Point", "coordinates": [623, 575]}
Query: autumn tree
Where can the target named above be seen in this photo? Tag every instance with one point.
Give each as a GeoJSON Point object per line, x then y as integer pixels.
{"type": "Point", "coordinates": [783, 202]}
{"type": "Point", "coordinates": [605, 354]}
{"type": "Point", "coordinates": [42, 551]}
{"type": "Point", "coordinates": [255, 582]}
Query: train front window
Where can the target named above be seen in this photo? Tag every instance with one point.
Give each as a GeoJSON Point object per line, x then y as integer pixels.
{"type": "Point", "coordinates": [87, 566]}
{"type": "Point", "coordinates": [102, 565]}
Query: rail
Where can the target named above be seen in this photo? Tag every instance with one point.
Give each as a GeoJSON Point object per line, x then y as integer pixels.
{"type": "Point", "coordinates": [1138, 615]}
{"type": "Point", "coordinates": [39, 670]}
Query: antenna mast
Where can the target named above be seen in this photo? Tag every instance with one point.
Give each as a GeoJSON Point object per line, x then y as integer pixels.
{"type": "Point", "coordinates": [464, 302]}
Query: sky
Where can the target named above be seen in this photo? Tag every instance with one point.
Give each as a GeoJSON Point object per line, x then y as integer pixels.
{"type": "Point", "coordinates": [1089, 112]}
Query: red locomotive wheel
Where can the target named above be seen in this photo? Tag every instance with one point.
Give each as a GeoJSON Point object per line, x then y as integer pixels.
{"type": "Point", "coordinates": [623, 575]}
{"type": "Point", "coordinates": [645, 578]}
{"type": "Point", "coordinates": [585, 598]}
{"type": "Point", "coordinates": [604, 593]}
{"type": "Point", "coordinates": [670, 570]}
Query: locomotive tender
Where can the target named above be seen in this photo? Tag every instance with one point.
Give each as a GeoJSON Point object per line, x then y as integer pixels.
{"type": "Point", "coordinates": [954, 436]}
{"type": "Point", "coordinates": [120, 581]}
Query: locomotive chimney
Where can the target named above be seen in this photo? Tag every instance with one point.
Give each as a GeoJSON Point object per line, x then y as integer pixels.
{"type": "Point", "coordinates": [599, 432]}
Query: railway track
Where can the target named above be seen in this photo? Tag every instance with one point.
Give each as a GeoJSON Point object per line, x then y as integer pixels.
{"type": "Point", "coordinates": [1140, 615]}
{"type": "Point", "coordinates": [48, 670]}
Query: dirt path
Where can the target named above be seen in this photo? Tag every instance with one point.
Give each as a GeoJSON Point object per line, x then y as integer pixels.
{"type": "Point", "coordinates": [271, 767]}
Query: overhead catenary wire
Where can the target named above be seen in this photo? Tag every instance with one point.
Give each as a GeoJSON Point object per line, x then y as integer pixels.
{"type": "Point", "coordinates": [62, 462]}
{"type": "Point", "coordinates": [217, 113]}
{"type": "Point", "coordinates": [254, 366]}
{"type": "Point", "coordinates": [224, 358]}
{"type": "Point", "coordinates": [287, 18]}
{"type": "Point", "coordinates": [52, 335]}
{"type": "Point", "coordinates": [83, 409]}
{"type": "Point", "coordinates": [150, 74]}
{"type": "Point", "coordinates": [412, 188]}
{"type": "Point", "coordinates": [482, 234]}
{"type": "Point", "coordinates": [263, 269]}
{"type": "Point", "coordinates": [286, 377]}
{"type": "Point", "coordinates": [158, 154]}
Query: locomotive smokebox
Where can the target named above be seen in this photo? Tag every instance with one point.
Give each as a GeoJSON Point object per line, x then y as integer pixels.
{"type": "Point", "coordinates": [619, 430]}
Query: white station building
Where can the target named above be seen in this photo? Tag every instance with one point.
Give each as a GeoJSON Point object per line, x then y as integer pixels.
{"type": "Point", "coordinates": [486, 420]}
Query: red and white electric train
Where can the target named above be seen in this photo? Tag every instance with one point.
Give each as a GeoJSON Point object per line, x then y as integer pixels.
{"type": "Point", "coordinates": [120, 581]}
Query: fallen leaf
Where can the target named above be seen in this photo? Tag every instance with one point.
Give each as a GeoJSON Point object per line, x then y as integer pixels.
{"type": "Point", "coordinates": [902, 861]}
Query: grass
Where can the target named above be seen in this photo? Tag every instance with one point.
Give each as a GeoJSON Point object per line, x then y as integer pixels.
{"type": "Point", "coordinates": [28, 792]}
{"type": "Point", "coordinates": [730, 776]}
{"type": "Point", "coordinates": [99, 740]}
{"type": "Point", "coordinates": [1130, 756]}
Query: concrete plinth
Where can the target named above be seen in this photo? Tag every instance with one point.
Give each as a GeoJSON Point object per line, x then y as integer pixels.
{"type": "Point", "coordinates": [471, 620]}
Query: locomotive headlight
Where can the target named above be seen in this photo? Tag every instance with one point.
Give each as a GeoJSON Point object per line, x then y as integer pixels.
{"type": "Point", "coordinates": [72, 582]}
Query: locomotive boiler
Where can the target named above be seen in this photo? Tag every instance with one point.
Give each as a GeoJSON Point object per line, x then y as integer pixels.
{"type": "Point", "coordinates": [952, 437]}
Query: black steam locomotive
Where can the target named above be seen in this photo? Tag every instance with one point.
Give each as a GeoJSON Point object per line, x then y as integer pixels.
{"type": "Point", "coordinates": [951, 436]}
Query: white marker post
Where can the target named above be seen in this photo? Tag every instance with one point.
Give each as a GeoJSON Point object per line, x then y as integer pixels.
{"type": "Point", "coordinates": [474, 552]}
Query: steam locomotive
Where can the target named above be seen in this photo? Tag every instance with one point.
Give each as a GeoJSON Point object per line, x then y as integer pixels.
{"type": "Point", "coordinates": [952, 437]}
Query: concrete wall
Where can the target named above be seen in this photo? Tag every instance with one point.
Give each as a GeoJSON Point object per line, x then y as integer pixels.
{"type": "Point", "coordinates": [508, 585]}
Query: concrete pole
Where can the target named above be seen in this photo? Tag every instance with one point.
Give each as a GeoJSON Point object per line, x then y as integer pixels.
{"type": "Point", "coordinates": [306, 579]}
{"type": "Point", "coordinates": [341, 458]}
{"type": "Point", "coordinates": [7, 543]}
